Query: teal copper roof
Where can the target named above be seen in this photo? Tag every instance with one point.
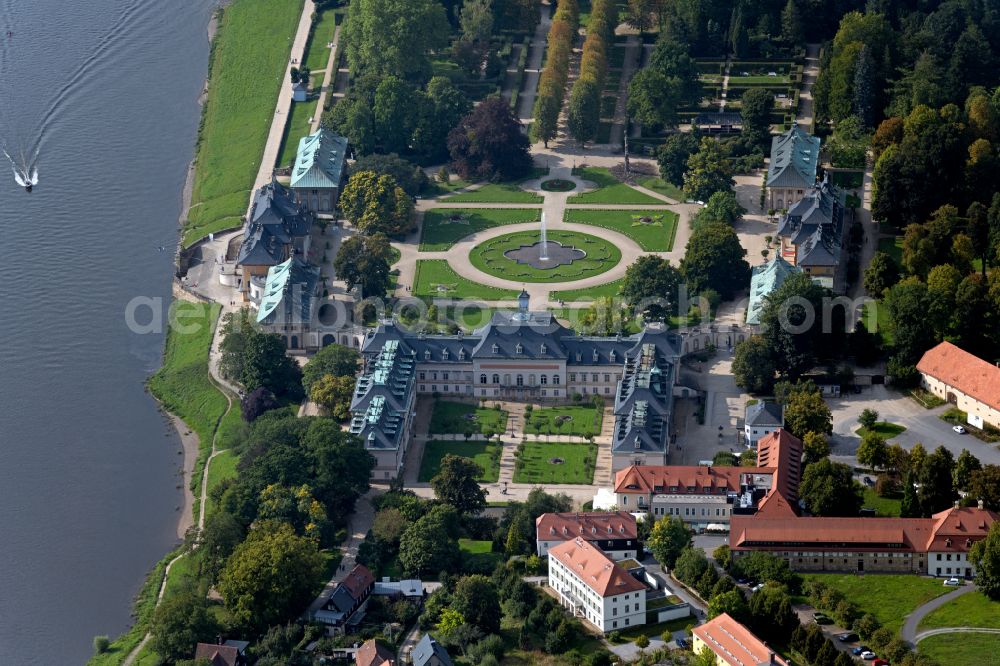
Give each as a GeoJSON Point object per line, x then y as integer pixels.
{"type": "Point", "coordinates": [794, 156]}
{"type": "Point", "coordinates": [763, 281]}
{"type": "Point", "coordinates": [319, 161]}
{"type": "Point", "coordinates": [291, 282]}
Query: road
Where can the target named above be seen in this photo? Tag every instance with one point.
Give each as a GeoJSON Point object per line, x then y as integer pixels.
{"type": "Point", "coordinates": [913, 620]}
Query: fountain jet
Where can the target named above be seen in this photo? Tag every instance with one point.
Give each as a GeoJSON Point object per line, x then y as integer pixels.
{"type": "Point", "coordinates": [543, 250]}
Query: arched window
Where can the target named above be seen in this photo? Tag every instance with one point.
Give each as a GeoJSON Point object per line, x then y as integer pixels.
{"type": "Point", "coordinates": [482, 378]}
{"type": "Point", "coordinates": [496, 379]}
{"type": "Point", "coordinates": [544, 379]}
{"type": "Point", "coordinates": [555, 379]}
{"type": "Point", "coordinates": [520, 380]}
{"type": "Point", "coordinates": [496, 349]}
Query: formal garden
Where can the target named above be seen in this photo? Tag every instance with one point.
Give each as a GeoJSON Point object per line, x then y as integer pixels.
{"type": "Point", "coordinates": [577, 420]}
{"type": "Point", "coordinates": [653, 230]}
{"type": "Point", "coordinates": [443, 227]}
{"type": "Point", "coordinates": [434, 278]}
{"type": "Point", "coordinates": [459, 418]}
{"type": "Point", "coordinates": [572, 256]}
{"type": "Point", "coordinates": [485, 454]}
{"type": "Point", "coordinates": [609, 190]}
{"type": "Point", "coordinates": [549, 462]}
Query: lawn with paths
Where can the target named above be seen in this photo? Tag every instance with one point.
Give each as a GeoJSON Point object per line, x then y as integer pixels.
{"type": "Point", "coordinates": [663, 187]}
{"type": "Point", "coordinates": [574, 420]}
{"type": "Point", "coordinates": [434, 278]}
{"type": "Point", "coordinates": [653, 230]}
{"type": "Point", "coordinates": [490, 257]}
{"type": "Point", "coordinates": [495, 193]}
{"type": "Point", "coordinates": [885, 507]}
{"type": "Point", "coordinates": [973, 609]}
{"type": "Point", "coordinates": [889, 597]}
{"type": "Point", "coordinates": [589, 293]}
{"type": "Point", "coordinates": [317, 53]}
{"type": "Point", "coordinates": [455, 418]}
{"type": "Point", "coordinates": [485, 454]}
{"type": "Point", "coordinates": [249, 56]}
{"type": "Point", "coordinates": [883, 429]}
{"type": "Point", "coordinates": [546, 462]}
{"type": "Point", "coordinates": [965, 649]}
{"type": "Point", "coordinates": [444, 226]}
{"type": "Point", "coordinates": [609, 189]}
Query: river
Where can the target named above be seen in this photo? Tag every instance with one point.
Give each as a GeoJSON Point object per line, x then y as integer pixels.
{"type": "Point", "coordinates": [89, 485]}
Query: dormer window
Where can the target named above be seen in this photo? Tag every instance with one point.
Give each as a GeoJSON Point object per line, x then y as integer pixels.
{"type": "Point", "coordinates": [427, 355]}
{"type": "Point", "coordinates": [610, 530]}
{"type": "Point", "coordinates": [519, 349]}
{"type": "Point", "coordinates": [595, 356]}
{"type": "Point", "coordinates": [543, 348]}
{"type": "Point", "coordinates": [496, 349]}
{"type": "Point", "coordinates": [461, 354]}
{"type": "Point", "coordinates": [612, 356]}
{"type": "Point", "coordinates": [578, 357]}
{"type": "Point", "coordinates": [947, 542]}
{"type": "Point", "coordinates": [552, 530]}
{"type": "Point", "coordinates": [444, 354]}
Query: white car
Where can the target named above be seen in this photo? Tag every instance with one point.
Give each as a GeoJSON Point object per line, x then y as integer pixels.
{"type": "Point", "coordinates": [867, 655]}
{"type": "Point", "coordinates": [959, 429]}
{"type": "Point", "coordinates": [953, 582]}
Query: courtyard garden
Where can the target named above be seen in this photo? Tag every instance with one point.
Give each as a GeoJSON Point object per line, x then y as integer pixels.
{"type": "Point", "coordinates": [444, 226]}
{"type": "Point", "coordinates": [496, 193]}
{"type": "Point", "coordinates": [607, 289]}
{"type": "Point", "coordinates": [458, 418]}
{"type": "Point", "coordinates": [653, 230]}
{"type": "Point", "coordinates": [573, 420]}
{"type": "Point", "coordinates": [484, 454]}
{"type": "Point", "coordinates": [515, 257]}
{"type": "Point", "coordinates": [434, 278]}
{"type": "Point", "coordinates": [609, 189]}
{"type": "Point", "coordinates": [544, 462]}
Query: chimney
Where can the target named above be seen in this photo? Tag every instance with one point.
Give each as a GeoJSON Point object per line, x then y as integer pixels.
{"type": "Point", "coordinates": [980, 504]}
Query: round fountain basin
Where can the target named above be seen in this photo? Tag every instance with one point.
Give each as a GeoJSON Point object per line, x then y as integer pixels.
{"type": "Point", "coordinates": [557, 254]}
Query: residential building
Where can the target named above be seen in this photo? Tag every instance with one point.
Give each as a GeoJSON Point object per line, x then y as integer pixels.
{"type": "Point", "coordinates": [936, 546]}
{"type": "Point", "coordinates": [791, 171]}
{"type": "Point", "coordinates": [733, 644]}
{"type": "Point", "coordinates": [762, 418]}
{"type": "Point", "coordinates": [764, 280]}
{"type": "Point", "coordinates": [350, 597]}
{"type": "Point", "coordinates": [966, 381]}
{"type": "Point", "coordinates": [594, 588]}
{"type": "Point", "coordinates": [782, 452]}
{"type": "Point", "coordinates": [318, 172]}
{"type": "Point", "coordinates": [373, 653]}
{"type": "Point", "coordinates": [277, 229]}
{"type": "Point", "coordinates": [428, 652]}
{"type": "Point", "coordinates": [614, 533]}
{"type": "Point", "coordinates": [811, 233]}
{"type": "Point", "coordinates": [526, 355]}
{"type": "Point", "coordinates": [230, 653]}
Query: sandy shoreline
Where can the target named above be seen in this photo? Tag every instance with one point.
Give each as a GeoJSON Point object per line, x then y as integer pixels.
{"type": "Point", "coordinates": [189, 445]}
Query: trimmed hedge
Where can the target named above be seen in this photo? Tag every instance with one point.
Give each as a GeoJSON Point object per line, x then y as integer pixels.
{"type": "Point", "coordinates": [552, 83]}
{"type": "Point", "coordinates": [585, 100]}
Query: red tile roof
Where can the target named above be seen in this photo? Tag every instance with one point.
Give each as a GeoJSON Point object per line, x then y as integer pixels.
{"type": "Point", "coordinates": [644, 478]}
{"type": "Point", "coordinates": [589, 526]}
{"type": "Point", "coordinates": [218, 655]}
{"type": "Point", "coordinates": [967, 373]}
{"type": "Point", "coordinates": [358, 580]}
{"type": "Point", "coordinates": [373, 653]}
{"type": "Point", "coordinates": [957, 529]}
{"type": "Point", "coordinates": [734, 643]}
{"type": "Point", "coordinates": [595, 568]}
{"type": "Point", "coordinates": [782, 451]}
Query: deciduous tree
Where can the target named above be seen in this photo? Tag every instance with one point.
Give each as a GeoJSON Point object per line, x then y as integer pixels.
{"type": "Point", "coordinates": [180, 622]}
{"type": "Point", "coordinates": [714, 259]}
{"type": "Point", "coordinates": [829, 489]}
{"type": "Point", "coordinates": [333, 359]}
{"type": "Point", "coordinates": [488, 143]}
{"type": "Point", "coordinates": [708, 171]}
{"type": "Point", "coordinates": [376, 204]}
{"type": "Point", "coordinates": [753, 365]}
{"type": "Point", "coordinates": [651, 285]}
{"type": "Point", "coordinates": [985, 557]}
{"type": "Point", "coordinates": [456, 484]}
{"type": "Point", "coordinates": [363, 261]}
{"type": "Point", "coordinates": [668, 538]}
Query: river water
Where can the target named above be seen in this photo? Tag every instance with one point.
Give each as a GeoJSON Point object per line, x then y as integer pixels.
{"type": "Point", "coordinates": [107, 91]}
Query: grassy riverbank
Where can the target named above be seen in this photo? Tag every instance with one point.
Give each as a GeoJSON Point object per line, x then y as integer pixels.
{"type": "Point", "coordinates": [249, 56]}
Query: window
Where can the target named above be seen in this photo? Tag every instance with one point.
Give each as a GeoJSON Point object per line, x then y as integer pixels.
{"type": "Point", "coordinates": [544, 379]}
{"type": "Point", "coordinates": [572, 377]}
{"type": "Point", "coordinates": [434, 387]}
{"type": "Point", "coordinates": [607, 377]}
{"type": "Point", "coordinates": [519, 349]}
{"type": "Point", "coordinates": [496, 379]}
{"type": "Point", "coordinates": [555, 379]}
{"type": "Point", "coordinates": [427, 355]}
{"type": "Point", "coordinates": [423, 375]}
{"type": "Point", "coordinates": [482, 378]}
{"type": "Point", "coordinates": [496, 349]}
{"type": "Point", "coordinates": [593, 377]}
{"type": "Point", "coordinates": [520, 380]}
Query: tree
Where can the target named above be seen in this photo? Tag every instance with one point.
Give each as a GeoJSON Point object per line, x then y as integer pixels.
{"type": "Point", "coordinates": [476, 20]}
{"type": "Point", "coordinates": [985, 558]}
{"type": "Point", "coordinates": [868, 418]}
{"type": "Point", "coordinates": [394, 37]}
{"type": "Point", "coordinates": [653, 98]}
{"type": "Point", "coordinates": [815, 446]}
{"type": "Point", "coordinates": [806, 411]}
{"type": "Point", "coordinates": [270, 576]}
{"type": "Point", "coordinates": [714, 259]}
{"type": "Point", "coordinates": [180, 622]}
{"type": "Point", "coordinates": [964, 468]}
{"type": "Point", "coordinates": [792, 31]}
{"type": "Point", "coordinates": [651, 285]}
{"type": "Point", "coordinates": [864, 88]}
{"type": "Point", "coordinates": [755, 113]}
{"type": "Point", "coordinates": [792, 321]}
{"type": "Point", "coordinates": [376, 204]}
{"type": "Point", "coordinates": [753, 365]}
{"type": "Point", "coordinates": [256, 402]}
{"type": "Point", "coordinates": [668, 538]}
{"type": "Point", "coordinates": [672, 156]}
{"type": "Point", "coordinates": [638, 14]}
{"type": "Point", "coordinates": [771, 614]}
{"type": "Point", "coordinates": [488, 143]}
{"type": "Point", "coordinates": [427, 546]}
{"type": "Point", "coordinates": [873, 452]}
{"type": "Point", "coordinates": [829, 489]}
{"type": "Point", "coordinates": [475, 597]}
{"type": "Point", "coordinates": [583, 114]}
{"type": "Point", "coordinates": [708, 171]}
{"type": "Point", "coordinates": [881, 274]}
{"type": "Point", "coordinates": [691, 565]}
{"type": "Point", "coordinates": [363, 261]}
{"type": "Point", "coordinates": [910, 505]}
{"type": "Point", "coordinates": [936, 490]}
{"type": "Point", "coordinates": [392, 113]}
{"type": "Point", "coordinates": [407, 175]}
{"type": "Point", "coordinates": [257, 359]}
{"type": "Point", "coordinates": [335, 394]}
{"type": "Point", "coordinates": [721, 208]}
{"type": "Point", "coordinates": [764, 567]}
{"type": "Point", "coordinates": [333, 359]}
{"type": "Point", "coordinates": [722, 556]}
{"type": "Point", "coordinates": [984, 484]}
{"type": "Point", "coordinates": [908, 304]}
{"type": "Point", "coordinates": [546, 122]}
{"type": "Point", "coordinates": [732, 603]}
{"type": "Point", "coordinates": [456, 484]}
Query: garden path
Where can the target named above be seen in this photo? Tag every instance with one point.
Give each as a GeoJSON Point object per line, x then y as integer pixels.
{"type": "Point", "coordinates": [328, 79]}
{"type": "Point", "coordinates": [533, 70]}
{"type": "Point", "coordinates": [633, 50]}
{"type": "Point", "coordinates": [909, 630]}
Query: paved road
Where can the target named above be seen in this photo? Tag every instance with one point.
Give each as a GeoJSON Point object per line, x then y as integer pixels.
{"type": "Point", "coordinates": [909, 630]}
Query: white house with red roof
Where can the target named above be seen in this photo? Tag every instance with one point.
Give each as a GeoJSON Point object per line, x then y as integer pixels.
{"type": "Point", "coordinates": [615, 533]}
{"type": "Point", "coordinates": [965, 380]}
{"type": "Point", "coordinates": [733, 644]}
{"type": "Point", "coordinates": [594, 588]}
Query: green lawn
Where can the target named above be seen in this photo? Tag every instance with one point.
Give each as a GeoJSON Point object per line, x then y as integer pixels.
{"type": "Point", "coordinates": [299, 125]}
{"type": "Point", "coordinates": [486, 454]}
{"type": "Point", "coordinates": [883, 429]}
{"type": "Point", "coordinates": [452, 418]}
{"type": "Point", "coordinates": [443, 226]}
{"type": "Point", "coordinates": [471, 317]}
{"type": "Point", "coordinates": [890, 598]}
{"type": "Point", "coordinates": [887, 507]}
{"type": "Point", "coordinates": [317, 55]}
{"type": "Point", "coordinates": [478, 555]}
{"type": "Point", "coordinates": [609, 190]}
{"type": "Point", "coordinates": [654, 231]}
{"type": "Point", "coordinates": [663, 187]}
{"type": "Point", "coordinates": [249, 57]}
{"type": "Point", "coordinates": [893, 247]}
{"type": "Point", "coordinates": [490, 257]}
{"type": "Point", "coordinates": [961, 649]}
{"type": "Point", "coordinates": [535, 464]}
{"type": "Point", "coordinates": [973, 609]}
{"type": "Point", "coordinates": [589, 293]}
{"type": "Point", "coordinates": [223, 467]}
{"type": "Point", "coordinates": [881, 323]}
{"type": "Point", "coordinates": [574, 420]}
{"type": "Point", "coordinates": [629, 634]}
{"type": "Point", "coordinates": [496, 193]}
{"type": "Point", "coordinates": [434, 278]}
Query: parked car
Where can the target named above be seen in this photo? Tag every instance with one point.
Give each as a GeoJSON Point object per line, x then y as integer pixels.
{"type": "Point", "coordinates": [880, 662]}
{"type": "Point", "coordinates": [847, 638]}
{"type": "Point", "coordinates": [681, 643]}
{"type": "Point", "coordinates": [868, 481]}
{"type": "Point", "coordinates": [858, 650]}
{"type": "Point", "coordinates": [959, 429]}
{"type": "Point", "coordinates": [953, 582]}
{"type": "Point", "coordinates": [867, 655]}
{"type": "Point", "coordinates": [820, 618]}
{"type": "Point", "coordinates": [742, 581]}
{"type": "Point", "coordinates": [757, 588]}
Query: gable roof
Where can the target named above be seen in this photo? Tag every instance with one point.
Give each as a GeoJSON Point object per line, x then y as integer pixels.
{"type": "Point", "coordinates": [288, 292]}
{"type": "Point", "coordinates": [427, 649]}
{"type": "Point", "coordinates": [373, 653]}
{"type": "Point", "coordinates": [660, 478]}
{"type": "Point", "coordinates": [358, 580]}
{"type": "Point", "coordinates": [734, 643]}
{"type": "Point", "coordinates": [595, 569]}
{"type": "Point", "coordinates": [218, 655]}
{"type": "Point", "coordinates": [764, 413]}
{"type": "Point", "coordinates": [274, 222]}
{"type": "Point", "coordinates": [591, 526]}
{"type": "Point", "coordinates": [319, 160]}
{"type": "Point", "coordinates": [794, 156]}
{"type": "Point", "coordinates": [764, 279]}
{"type": "Point", "coordinates": [969, 374]}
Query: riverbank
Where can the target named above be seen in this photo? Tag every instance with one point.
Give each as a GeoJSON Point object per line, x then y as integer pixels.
{"type": "Point", "coordinates": [189, 448]}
